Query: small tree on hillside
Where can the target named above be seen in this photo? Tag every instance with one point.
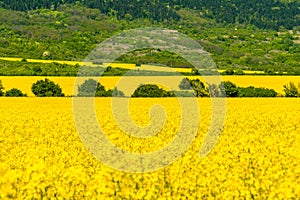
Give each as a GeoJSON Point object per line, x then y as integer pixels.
{"type": "Point", "coordinates": [46, 88]}
{"type": "Point", "coordinates": [1, 89]}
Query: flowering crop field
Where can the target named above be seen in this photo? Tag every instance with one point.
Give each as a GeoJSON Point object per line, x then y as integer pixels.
{"type": "Point", "coordinates": [67, 83]}
{"type": "Point", "coordinates": [257, 155]}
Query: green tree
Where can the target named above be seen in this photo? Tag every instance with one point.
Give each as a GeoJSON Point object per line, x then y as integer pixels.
{"type": "Point", "coordinates": [88, 88]}
{"type": "Point", "coordinates": [195, 72]}
{"type": "Point", "coordinates": [199, 88]}
{"type": "Point", "coordinates": [228, 72]}
{"type": "Point", "coordinates": [46, 88]}
{"type": "Point", "coordinates": [239, 72]}
{"type": "Point", "coordinates": [14, 92]}
{"type": "Point", "coordinates": [215, 91]}
{"type": "Point", "coordinates": [252, 91]}
{"type": "Point", "coordinates": [150, 90]}
{"type": "Point", "coordinates": [230, 88]}
{"type": "Point", "coordinates": [185, 84]}
{"type": "Point", "coordinates": [269, 71]}
{"type": "Point", "coordinates": [92, 88]}
{"type": "Point", "coordinates": [1, 89]}
{"type": "Point", "coordinates": [117, 93]}
{"type": "Point", "coordinates": [291, 90]}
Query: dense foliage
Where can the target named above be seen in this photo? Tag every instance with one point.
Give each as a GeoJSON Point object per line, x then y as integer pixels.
{"type": "Point", "coordinates": [270, 14]}
{"type": "Point", "coordinates": [46, 88]}
{"type": "Point", "coordinates": [256, 92]}
{"type": "Point", "coordinates": [91, 88]}
{"type": "Point", "coordinates": [70, 32]}
{"type": "Point", "coordinates": [291, 90]}
{"type": "Point", "coordinates": [231, 90]}
{"type": "Point", "coordinates": [1, 89]}
{"type": "Point", "coordinates": [150, 90]}
{"type": "Point", "coordinates": [14, 92]}
{"type": "Point", "coordinates": [225, 88]}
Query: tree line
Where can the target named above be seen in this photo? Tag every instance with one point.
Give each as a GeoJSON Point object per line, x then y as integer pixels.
{"type": "Point", "coordinates": [271, 14]}
{"type": "Point", "coordinates": [188, 88]}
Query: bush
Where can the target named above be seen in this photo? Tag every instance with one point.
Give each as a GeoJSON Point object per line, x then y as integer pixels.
{"type": "Point", "coordinates": [37, 69]}
{"type": "Point", "coordinates": [230, 88]}
{"type": "Point", "coordinates": [184, 93]}
{"type": "Point", "coordinates": [216, 91]}
{"type": "Point", "coordinates": [1, 89]}
{"type": "Point", "coordinates": [239, 72]}
{"type": "Point", "coordinates": [196, 85]}
{"type": "Point", "coordinates": [195, 71]}
{"type": "Point", "coordinates": [46, 88]}
{"type": "Point", "coordinates": [117, 93]}
{"type": "Point", "coordinates": [291, 90]}
{"type": "Point", "coordinates": [228, 72]}
{"type": "Point", "coordinates": [92, 88]}
{"type": "Point", "coordinates": [14, 92]}
{"type": "Point", "coordinates": [88, 88]}
{"type": "Point", "coordinates": [150, 90]}
{"type": "Point", "coordinates": [185, 84]}
{"type": "Point", "coordinates": [256, 92]}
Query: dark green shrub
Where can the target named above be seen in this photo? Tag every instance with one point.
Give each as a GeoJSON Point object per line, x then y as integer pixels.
{"type": "Point", "coordinates": [92, 88]}
{"type": "Point", "coordinates": [150, 90]}
{"type": "Point", "coordinates": [185, 84]}
{"type": "Point", "coordinates": [291, 90]}
{"type": "Point", "coordinates": [117, 93]}
{"type": "Point", "coordinates": [1, 89]}
{"type": "Point", "coordinates": [199, 88]}
{"type": "Point", "coordinates": [46, 88]}
{"type": "Point", "coordinates": [215, 91]}
{"type": "Point", "coordinates": [239, 72]}
{"type": "Point", "coordinates": [184, 93]}
{"type": "Point", "coordinates": [14, 92]}
{"type": "Point", "coordinates": [196, 85]}
{"type": "Point", "coordinates": [230, 88]}
{"type": "Point", "coordinates": [256, 92]}
{"type": "Point", "coordinates": [228, 72]}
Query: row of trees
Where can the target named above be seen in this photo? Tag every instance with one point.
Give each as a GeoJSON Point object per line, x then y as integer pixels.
{"type": "Point", "coordinates": [128, 9]}
{"type": "Point", "coordinates": [189, 88]}
{"type": "Point", "coordinates": [271, 14]}
{"type": "Point", "coordinates": [230, 89]}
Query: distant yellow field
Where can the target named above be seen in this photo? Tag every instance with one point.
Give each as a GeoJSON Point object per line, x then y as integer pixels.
{"type": "Point", "coordinates": [128, 83]}
{"type": "Point", "coordinates": [47, 61]}
{"type": "Point", "coordinates": [119, 65]}
{"type": "Point", "coordinates": [114, 65]}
